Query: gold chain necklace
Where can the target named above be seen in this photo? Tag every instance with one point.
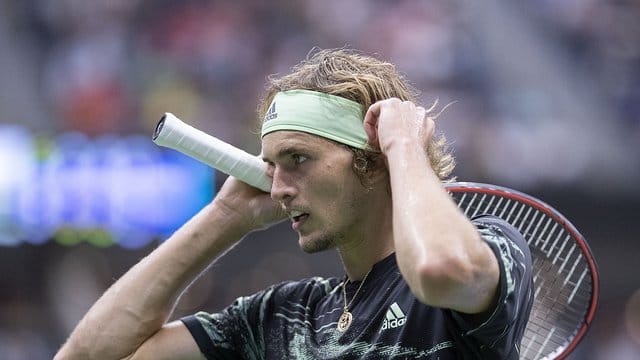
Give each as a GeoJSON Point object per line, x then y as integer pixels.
{"type": "Point", "coordinates": [345, 319]}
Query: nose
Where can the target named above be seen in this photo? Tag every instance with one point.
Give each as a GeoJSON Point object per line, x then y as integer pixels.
{"type": "Point", "coordinates": [282, 188]}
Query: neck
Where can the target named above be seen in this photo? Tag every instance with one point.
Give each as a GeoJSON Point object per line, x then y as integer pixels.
{"type": "Point", "coordinates": [357, 268]}
{"type": "Point", "coordinates": [372, 237]}
{"type": "Point", "coordinates": [371, 246]}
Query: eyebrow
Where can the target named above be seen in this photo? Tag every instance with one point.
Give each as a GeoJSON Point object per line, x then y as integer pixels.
{"type": "Point", "coordinates": [288, 150]}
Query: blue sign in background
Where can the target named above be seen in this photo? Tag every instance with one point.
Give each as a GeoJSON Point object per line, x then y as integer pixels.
{"type": "Point", "coordinates": [109, 190]}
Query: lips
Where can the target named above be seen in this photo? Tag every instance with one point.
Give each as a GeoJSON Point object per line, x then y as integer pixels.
{"type": "Point", "coordinates": [297, 218]}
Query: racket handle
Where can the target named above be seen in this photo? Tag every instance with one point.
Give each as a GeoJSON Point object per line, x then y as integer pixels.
{"type": "Point", "coordinates": [171, 132]}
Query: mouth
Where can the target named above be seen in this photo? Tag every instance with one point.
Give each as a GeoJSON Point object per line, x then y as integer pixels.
{"type": "Point", "coordinates": [297, 218]}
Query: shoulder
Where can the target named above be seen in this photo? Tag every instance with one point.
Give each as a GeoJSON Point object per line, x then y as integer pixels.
{"type": "Point", "coordinates": [502, 236]}
{"type": "Point", "coordinates": [313, 287]}
{"type": "Point", "coordinates": [316, 283]}
{"type": "Point", "coordinates": [500, 331]}
{"type": "Point", "coordinates": [251, 308]}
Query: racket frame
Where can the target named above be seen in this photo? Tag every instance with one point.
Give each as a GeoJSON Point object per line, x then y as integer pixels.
{"type": "Point", "coordinates": [495, 190]}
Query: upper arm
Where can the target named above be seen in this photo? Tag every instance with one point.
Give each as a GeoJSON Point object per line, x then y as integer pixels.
{"type": "Point", "coordinates": [510, 253]}
{"type": "Point", "coordinates": [172, 341]}
{"type": "Point", "coordinates": [505, 265]}
{"type": "Point", "coordinates": [478, 289]}
{"type": "Point", "coordinates": [500, 328]}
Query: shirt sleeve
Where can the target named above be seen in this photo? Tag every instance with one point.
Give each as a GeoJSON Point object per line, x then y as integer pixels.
{"type": "Point", "coordinates": [498, 335]}
{"type": "Point", "coordinates": [233, 333]}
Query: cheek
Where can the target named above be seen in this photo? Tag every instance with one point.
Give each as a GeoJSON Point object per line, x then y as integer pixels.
{"type": "Point", "coordinates": [335, 187]}
{"type": "Point", "coordinates": [340, 196]}
{"type": "Point", "coordinates": [340, 182]}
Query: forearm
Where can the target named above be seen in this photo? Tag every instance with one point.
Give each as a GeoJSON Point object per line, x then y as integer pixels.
{"type": "Point", "coordinates": [139, 303]}
{"type": "Point", "coordinates": [439, 251]}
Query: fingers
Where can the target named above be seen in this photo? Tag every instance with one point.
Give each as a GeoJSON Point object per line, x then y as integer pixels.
{"type": "Point", "coordinates": [390, 118]}
{"type": "Point", "coordinates": [421, 115]}
{"type": "Point", "coordinates": [431, 127]}
{"type": "Point", "coordinates": [372, 118]}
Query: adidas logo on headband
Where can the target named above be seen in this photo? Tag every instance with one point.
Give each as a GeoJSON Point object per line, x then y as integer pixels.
{"type": "Point", "coordinates": [271, 113]}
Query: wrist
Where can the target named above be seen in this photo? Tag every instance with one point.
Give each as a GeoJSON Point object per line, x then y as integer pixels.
{"type": "Point", "coordinates": [406, 153]}
{"type": "Point", "coordinates": [227, 218]}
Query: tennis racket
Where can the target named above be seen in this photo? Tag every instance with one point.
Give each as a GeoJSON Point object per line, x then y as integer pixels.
{"type": "Point", "coordinates": [565, 275]}
{"type": "Point", "coordinates": [564, 271]}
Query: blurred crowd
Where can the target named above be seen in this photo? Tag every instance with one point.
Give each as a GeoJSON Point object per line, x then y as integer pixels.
{"type": "Point", "coordinates": [551, 88]}
{"type": "Point", "coordinates": [116, 66]}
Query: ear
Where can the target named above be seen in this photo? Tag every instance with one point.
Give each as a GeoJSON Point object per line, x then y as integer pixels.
{"type": "Point", "coordinates": [370, 124]}
{"type": "Point", "coordinates": [379, 169]}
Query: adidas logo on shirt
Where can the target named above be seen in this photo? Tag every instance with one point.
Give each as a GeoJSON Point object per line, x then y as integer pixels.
{"type": "Point", "coordinates": [394, 317]}
{"type": "Point", "coordinates": [271, 113]}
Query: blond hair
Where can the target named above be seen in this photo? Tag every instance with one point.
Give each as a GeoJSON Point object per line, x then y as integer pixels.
{"type": "Point", "coordinates": [365, 80]}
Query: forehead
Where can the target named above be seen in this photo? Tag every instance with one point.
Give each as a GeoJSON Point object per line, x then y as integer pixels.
{"type": "Point", "coordinates": [273, 144]}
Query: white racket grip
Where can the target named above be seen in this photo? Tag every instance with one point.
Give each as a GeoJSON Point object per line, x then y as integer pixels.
{"type": "Point", "coordinates": [173, 133]}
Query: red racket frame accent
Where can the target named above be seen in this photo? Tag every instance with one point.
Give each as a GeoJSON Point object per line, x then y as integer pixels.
{"type": "Point", "coordinates": [472, 187]}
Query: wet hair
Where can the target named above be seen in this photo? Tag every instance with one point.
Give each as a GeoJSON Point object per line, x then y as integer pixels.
{"type": "Point", "coordinates": [365, 80]}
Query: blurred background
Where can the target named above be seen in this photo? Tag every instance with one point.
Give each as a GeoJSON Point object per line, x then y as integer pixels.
{"type": "Point", "coordinates": [547, 102]}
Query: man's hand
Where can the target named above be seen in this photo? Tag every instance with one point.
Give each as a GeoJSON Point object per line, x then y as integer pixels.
{"type": "Point", "coordinates": [251, 208]}
{"type": "Point", "coordinates": [390, 121]}
{"type": "Point", "coordinates": [439, 251]}
{"type": "Point", "coordinates": [128, 321]}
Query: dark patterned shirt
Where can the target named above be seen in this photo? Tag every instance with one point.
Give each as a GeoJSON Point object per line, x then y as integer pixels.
{"type": "Point", "coordinates": [298, 320]}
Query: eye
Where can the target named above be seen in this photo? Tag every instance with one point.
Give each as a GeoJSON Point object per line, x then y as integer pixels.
{"type": "Point", "coordinates": [270, 168]}
{"type": "Point", "coordinates": [298, 159]}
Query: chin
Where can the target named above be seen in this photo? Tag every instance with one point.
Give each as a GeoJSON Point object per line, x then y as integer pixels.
{"type": "Point", "coordinates": [311, 246]}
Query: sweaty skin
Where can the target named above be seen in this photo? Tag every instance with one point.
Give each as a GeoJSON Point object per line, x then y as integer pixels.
{"type": "Point", "coordinates": [439, 252]}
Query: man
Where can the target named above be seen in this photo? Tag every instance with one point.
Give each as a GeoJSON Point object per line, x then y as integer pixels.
{"type": "Point", "coordinates": [356, 167]}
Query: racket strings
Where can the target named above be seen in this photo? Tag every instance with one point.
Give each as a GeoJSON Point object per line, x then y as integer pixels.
{"type": "Point", "coordinates": [562, 285]}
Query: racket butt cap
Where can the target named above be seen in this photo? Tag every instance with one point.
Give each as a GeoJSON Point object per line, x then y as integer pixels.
{"type": "Point", "coordinates": [159, 126]}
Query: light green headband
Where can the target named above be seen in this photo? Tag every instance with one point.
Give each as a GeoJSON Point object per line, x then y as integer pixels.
{"type": "Point", "coordinates": [329, 116]}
